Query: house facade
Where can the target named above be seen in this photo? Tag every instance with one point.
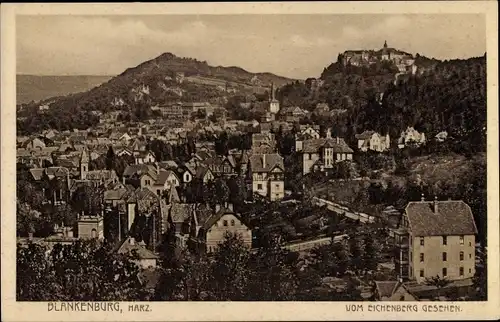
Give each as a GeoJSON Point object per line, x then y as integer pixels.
{"type": "Point", "coordinates": [411, 137]}
{"type": "Point", "coordinates": [436, 238]}
{"type": "Point", "coordinates": [224, 221]}
{"type": "Point", "coordinates": [165, 180]}
{"type": "Point", "coordinates": [371, 140]}
{"type": "Point", "coordinates": [267, 175]}
{"type": "Point", "coordinates": [321, 154]}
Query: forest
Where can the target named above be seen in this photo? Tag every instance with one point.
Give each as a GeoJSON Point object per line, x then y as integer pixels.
{"type": "Point", "coordinates": [450, 96]}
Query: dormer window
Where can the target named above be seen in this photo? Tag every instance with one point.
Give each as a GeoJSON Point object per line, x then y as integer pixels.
{"type": "Point", "coordinates": [225, 223]}
{"type": "Point", "coordinates": [232, 222]}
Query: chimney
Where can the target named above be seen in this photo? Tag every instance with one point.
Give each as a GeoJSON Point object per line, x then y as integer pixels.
{"type": "Point", "coordinates": [328, 133]}
{"type": "Point", "coordinates": [338, 140]}
{"type": "Point", "coordinates": [132, 241]}
{"type": "Point", "coordinates": [230, 206]}
{"type": "Point", "coordinates": [423, 198]}
{"type": "Point", "coordinates": [264, 160]}
{"type": "Point", "coordinates": [30, 235]}
{"type": "Point", "coordinates": [217, 208]}
{"type": "Point", "coordinates": [435, 204]}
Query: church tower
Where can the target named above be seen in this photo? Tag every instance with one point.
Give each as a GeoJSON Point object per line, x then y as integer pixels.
{"type": "Point", "coordinates": [274, 105]}
{"type": "Point", "coordinates": [385, 44]}
{"type": "Point", "coordinates": [84, 165]}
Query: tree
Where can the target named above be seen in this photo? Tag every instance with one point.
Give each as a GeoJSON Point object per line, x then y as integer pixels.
{"type": "Point", "coordinates": [229, 270]}
{"type": "Point", "coordinates": [184, 275]}
{"type": "Point", "coordinates": [28, 219]}
{"type": "Point", "coordinates": [344, 170]}
{"type": "Point", "coordinates": [331, 260]}
{"type": "Point", "coordinates": [221, 144]}
{"type": "Point", "coordinates": [87, 199]}
{"type": "Point", "coordinates": [356, 251]}
{"type": "Point", "coordinates": [237, 190]}
{"type": "Point", "coordinates": [272, 273]}
{"type": "Point", "coordinates": [82, 271]}
{"type": "Point", "coordinates": [481, 277]}
{"type": "Point", "coordinates": [221, 191]}
{"type": "Point", "coordinates": [371, 253]}
{"type": "Point", "coordinates": [110, 159]}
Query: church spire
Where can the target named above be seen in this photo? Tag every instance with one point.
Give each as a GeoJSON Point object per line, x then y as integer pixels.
{"type": "Point", "coordinates": [385, 44]}
{"type": "Point", "coordinates": [272, 92]}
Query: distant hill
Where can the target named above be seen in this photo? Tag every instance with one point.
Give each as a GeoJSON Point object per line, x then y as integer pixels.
{"type": "Point", "coordinates": [37, 88]}
{"type": "Point", "coordinates": [164, 79]}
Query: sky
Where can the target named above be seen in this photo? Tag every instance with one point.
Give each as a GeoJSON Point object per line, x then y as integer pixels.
{"type": "Point", "coordinates": [296, 46]}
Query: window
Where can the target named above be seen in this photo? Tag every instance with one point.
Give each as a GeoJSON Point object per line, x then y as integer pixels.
{"type": "Point", "coordinates": [421, 273]}
{"type": "Point", "coordinates": [232, 222]}
{"type": "Point", "coordinates": [470, 270]}
{"type": "Point", "coordinates": [461, 271]}
{"type": "Point", "coordinates": [445, 256]}
{"type": "Point", "coordinates": [277, 186]}
{"type": "Point", "coordinates": [445, 240]}
{"type": "Point", "coordinates": [402, 298]}
{"type": "Point", "coordinates": [461, 240]}
{"type": "Point", "coordinates": [470, 243]}
{"type": "Point", "coordinates": [462, 256]}
{"type": "Point", "coordinates": [225, 223]}
{"type": "Point", "coordinates": [421, 241]}
{"type": "Point", "coordinates": [158, 192]}
{"type": "Point", "coordinates": [309, 156]}
{"type": "Point", "coordinates": [445, 272]}
{"type": "Point", "coordinates": [422, 257]}
{"type": "Point", "coordinates": [470, 256]}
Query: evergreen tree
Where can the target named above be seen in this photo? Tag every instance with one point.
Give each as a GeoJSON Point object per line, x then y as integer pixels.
{"type": "Point", "coordinates": [110, 159]}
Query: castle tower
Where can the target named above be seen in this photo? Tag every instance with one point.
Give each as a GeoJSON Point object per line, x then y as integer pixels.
{"type": "Point", "coordinates": [274, 105]}
{"type": "Point", "coordinates": [84, 164]}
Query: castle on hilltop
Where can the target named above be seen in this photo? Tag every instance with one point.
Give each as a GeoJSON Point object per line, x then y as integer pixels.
{"type": "Point", "coordinates": [404, 61]}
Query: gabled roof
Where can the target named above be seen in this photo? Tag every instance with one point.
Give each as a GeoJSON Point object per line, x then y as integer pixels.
{"type": "Point", "coordinates": [139, 169]}
{"type": "Point", "coordinates": [173, 196]}
{"type": "Point", "coordinates": [365, 135]}
{"type": "Point", "coordinates": [201, 172]}
{"type": "Point", "coordinates": [37, 173]}
{"type": "Point", "coordinates": [210, 221]}
{"type": "Point", "coordinates": [57, 171]}
{"type": "Point", "coordinates": [271, 161]}
{"type": "Point", "coordinates": [142, 252]}
{"type": "Point", "coordinates": [115, 194]}
{"type": "Point", "coordinates": [168, 165]}
{"type": "Point", "coordinates": [386, 288]}
{"type": "Point", "coordinates": [314, 145]}
{"type": "Point", "coordinates": [100, 174]}
{"type": "Point", "coordinates": [452, 218]}
{"type": "Point", "coordinates": [163, 176]}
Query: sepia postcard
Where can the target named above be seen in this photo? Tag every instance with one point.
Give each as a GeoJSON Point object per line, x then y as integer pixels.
{"type": "Point", "coordinates": [250, 161]}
